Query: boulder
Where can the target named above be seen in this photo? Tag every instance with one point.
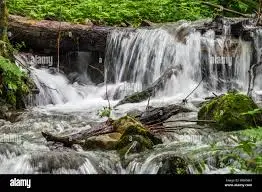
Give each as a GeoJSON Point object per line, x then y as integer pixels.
{"type": "Point", "coordinates": [103, 142]}
{"type": "Point", "coordinates": [135, 137]}
{"type": "Point", "coordinates": [231, 112]}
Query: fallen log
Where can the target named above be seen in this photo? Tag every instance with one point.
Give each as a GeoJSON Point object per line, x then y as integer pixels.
{"type": "Point", "coordinates": [150, 91]}
{"type": "Point", "coordinates": [151, 117]}
{"type": "Point", "coordinates": [42, 35]}
{"type": "Point", "coordinates": [80, 137]}
{"type": "Point", "coordinates": [161, 114]}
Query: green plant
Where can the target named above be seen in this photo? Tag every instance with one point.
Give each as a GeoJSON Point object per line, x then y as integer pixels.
{"type": "Point", "coordinates": [244, 153]}
{"type": "Point", "coordinates": [254, 114]}
{"type": "Point", "coordinates": [111, 12]}
{"type": "Point", "coordinates": [14, 83]}
{"type": "Point", "coordinates": [105, 112]}
{"type": "Point", "coordinates": [18, 46]}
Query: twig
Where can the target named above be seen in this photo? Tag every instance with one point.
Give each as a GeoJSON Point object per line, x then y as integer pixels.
{"type": "Point", "coordinates": [172, 129]}
{"type": "Point", "coordinates": [97, 69]}
{"type": "Point", "coordinates": [225, 9]}
{"type": "Point", "coordinates": [58, 42]}
{"type": "Point", "coordinates": [185, 100]}
{"type": "Point", "coordinates": [193, 121]}
{"type": "Point", "coordinates": [48, 86]}
{"type": "Point", "coordinates": [183, 120]}
{"type": "Point", "coordinates": [107, 97]}
{"type": "Point", "coordinates": [214, 94]}
{"type": "Point", "coordinates": [147, 107]}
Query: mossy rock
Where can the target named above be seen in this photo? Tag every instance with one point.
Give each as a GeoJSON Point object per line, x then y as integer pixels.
{"type": "Point", "coordinates": [173, 165]}
{"type": "Point", "coordinates": [133, 133]}
{"type": "Point", "coordinates": [123, 123]}
{"type": "Point", "coordinates": [230, 112]}
{"type": "Point", "coordinates": [133, 144]}
{"type": "Point", "coordinates": [102, 142]}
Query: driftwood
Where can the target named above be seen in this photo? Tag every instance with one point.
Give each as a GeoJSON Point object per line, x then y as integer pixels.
{"type": "Point", "coordinates": [160, 114]}
{"type": "Point", "coordinates": [79, 138]}
{"type": "Point", "coordinates": [150, 91]}
{"type": "Point", "coordinates": [150, 117]}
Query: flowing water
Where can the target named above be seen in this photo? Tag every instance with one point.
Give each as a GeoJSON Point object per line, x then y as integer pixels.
{"type": "Point", "coordinates": [134, 60]}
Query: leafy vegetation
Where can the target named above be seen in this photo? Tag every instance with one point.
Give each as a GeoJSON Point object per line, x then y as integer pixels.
{"type": "Point", "coordinates": [13, 83]}
{"type": "Point", "coordinates": [105, 112]}
{"type": "Point", "coordinates": [246, 154]}
{"type": "Point", "coordinates": [115, 12]}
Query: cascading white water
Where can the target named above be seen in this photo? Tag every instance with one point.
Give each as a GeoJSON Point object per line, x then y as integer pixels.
{"type": "Point", "coordinates": [140, 57]}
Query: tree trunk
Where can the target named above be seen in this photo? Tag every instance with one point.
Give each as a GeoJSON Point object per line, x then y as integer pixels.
{"type": "Point", "coordinates": [3, 28]}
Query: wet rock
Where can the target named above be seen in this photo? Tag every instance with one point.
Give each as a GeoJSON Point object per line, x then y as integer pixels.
{"type": "Point", "coordinates": [123, 123]}
{"type": "Point", "coordinates": [231, 111]}
{"type": "Point", "coordinates": [135, 138]}
{"type": "Point", "coordinates": [173, 165]}
{"type": "Point", "coordinates": [105, 142]}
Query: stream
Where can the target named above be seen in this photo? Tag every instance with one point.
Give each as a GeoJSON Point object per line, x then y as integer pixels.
{"type": "Point", "coordinates": [133, 61]}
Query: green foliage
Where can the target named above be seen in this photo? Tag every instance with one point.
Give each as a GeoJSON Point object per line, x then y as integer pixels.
{"type": "Point", "coordinates": [105, 112]}
{"type": "Point", "coordinates": [243, 6]}
{"type": "Point", "coordinates": [245, 154]}
{"type": "Point", "coordinates": [111, 12]}
{"type": "Point", "coordinates": [254, 133]}
{"type": "Point", "coordinates": [115, 12]}
{"type": "Point", "coordinates": [13, 83]}
{"type": "Point", "coordinates": [229, 111]}
{"type": "Point", "coordinates": [18, 46]}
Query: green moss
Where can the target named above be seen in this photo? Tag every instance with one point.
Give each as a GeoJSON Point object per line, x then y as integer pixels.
{"type": "Point", "coordinates": [14, 84]}
{"type": "Point", "coordinates": [124, 145]}
{"type": "Point", "coordinates": [123, 123]}
{"type": "Point", "coordinates": [228, 111]}
{"type": "Point", "coordinates": [133, 131]}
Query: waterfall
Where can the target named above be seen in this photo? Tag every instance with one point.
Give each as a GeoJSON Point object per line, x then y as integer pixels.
{"type": "Point", "coordinates": [138, 58]}
{"type": "Point", "coordinates": [133, 61]}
